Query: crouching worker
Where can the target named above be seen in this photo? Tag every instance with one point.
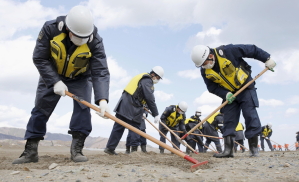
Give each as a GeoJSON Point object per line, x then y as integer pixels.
{"type": "Point", "coordinates": [173, 117]}
{"type": "Point", "coordinates": [194, 139]}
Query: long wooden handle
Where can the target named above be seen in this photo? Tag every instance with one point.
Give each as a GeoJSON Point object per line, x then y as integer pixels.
{"type": "Point", "coordinates": [158, 142]}
{"type": "Point", "coordinates": [241, 145]}
{"type": "Point", "coordinates": [209, 136]}
{"type": "Point", "coordinates": [177, 137]}
{"type": "Point", "coordinates": [162, 134]}
{"type": "Point", "coordinates": [224, 103]}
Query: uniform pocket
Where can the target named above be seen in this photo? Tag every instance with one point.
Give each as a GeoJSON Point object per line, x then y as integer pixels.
{"type": "Point", "coordinates": [254, 97]}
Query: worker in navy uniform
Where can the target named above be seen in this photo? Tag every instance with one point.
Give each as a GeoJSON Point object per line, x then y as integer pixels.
{"type": "Point", "coordinates": [239, 137]}
{"type": "Point", "coordinates": [130, 107]}
{"type": "Point", "coordinates": [69, 55]}
{"type": "Point", "coordinates": [142, 142]}
{"type": "Point", "coordinates": [194, 139]}
{"type": "Point", "coordinates": [265, 135]}
{"type": "Point", "coordinates": [211, 127]}
{"type": "Point", "coordinates": [225, 72]}
{"type": "Point", "coordinates": [173, 117]}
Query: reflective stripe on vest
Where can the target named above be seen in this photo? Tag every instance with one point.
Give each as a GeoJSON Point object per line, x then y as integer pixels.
{"type": "Point", "coordinates": [69, 65]}
{"type": "Point", "coordinates": [172, 120]}
{"type": "Point", "coordinates": [230, 77]}
{"type": "Point", "coordinates": [266, 132]}
{"type": "Point", "coordinates": [239, 127]}
{"type": "Point", "coordinates": [133, 85]}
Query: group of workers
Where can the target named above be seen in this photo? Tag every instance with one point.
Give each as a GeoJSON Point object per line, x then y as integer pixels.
{"type": "Point", "coordinates": [69, 56]}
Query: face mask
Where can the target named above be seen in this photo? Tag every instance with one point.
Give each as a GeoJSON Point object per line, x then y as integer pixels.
{"type": "Point", "coordinates": [155, 81]}
{"type": "Point", "coordinates": [181, 112]}
{"type": "Point", "coordinates": [198, 114]}
{"type": "Point", "coordinates": [78, 41]}
{"type": "Point", "coordinates": [208, 66]}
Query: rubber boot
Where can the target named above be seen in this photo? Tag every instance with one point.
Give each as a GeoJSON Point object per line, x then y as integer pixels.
{"type": "Point", "coordinates": [161, 151]}
{"type": "Point", "coordinates": [143, 148]}
{"type": "Point", "coordinates": [110, 151]}
{"type": "Point", "coordinates": [134, 148]}
{"type": "Point", "coordinates": [77, 146]}
{"type": "Point", "coordinates": [188, 150]}
{"type": "Point", "coordinates": [235, 149]}
{"type": "Point", "coordinates": [243, 150]}
{"type": "Point", "coordinates": [228, 148]}
{"type": "Point", "coordinates": [252, 142]}
{"type": "Point", "coordinates": [128, 149]}
{"type": "Point", "coordinates": [205, 150]}
{"type": "Point", "coordinates": [30, 153]}
{"type": "Point", "coordinates": [219, 148]}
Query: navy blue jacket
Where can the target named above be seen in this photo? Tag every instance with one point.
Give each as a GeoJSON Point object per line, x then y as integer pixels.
{"type": "Point", "coordinates": [234, 53]}
{"type": "Point", "coordinates": [131, 108]}
{"type": "Point", "coordinates": [97, 70]}
{"type": "Point", "coordinates": [166, 114]}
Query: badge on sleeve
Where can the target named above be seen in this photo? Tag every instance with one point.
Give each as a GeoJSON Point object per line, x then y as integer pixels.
{"type": "Point", "coordinates": [40, 35]}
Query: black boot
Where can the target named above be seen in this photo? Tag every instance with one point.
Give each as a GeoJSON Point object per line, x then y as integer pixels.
{"type": "Point", "coordinates": [143, 148]}
{"type": "Point", "coordinates": [235, 149]}
{"type": "Point", "coordinates": [161, 151]}
{"type": "Point", "coordinates": [128, 149]}
{"type": "Point", "coordinates": [205, 149]}
{"type": "Point", "coordinates": [252, 142]}
{"type": "Point", "coordinates": [134, 148]}
{"type": "Point", "coordinates": [30, 153]}
{"type": "Point", "coordinates": [188, 150]}
{"type": "Point", "coordinates": [228, 148]}
{"type": "Point", "coordinates": [77, 146]}
{"type": "Point", "coordinates": [243, 149]}
{"type": "Point", "coordinates": [219, 149]}
{"type": "Point", "coordinates": [110, 151]}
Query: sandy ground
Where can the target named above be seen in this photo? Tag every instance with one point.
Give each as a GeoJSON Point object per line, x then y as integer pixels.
{"type": "Point", "coordinates": [139, 167]}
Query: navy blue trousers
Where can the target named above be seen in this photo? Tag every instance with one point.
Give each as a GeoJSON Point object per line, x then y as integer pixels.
{"type": "Point", "coordinates": [268, 142]}
{"type": "Point", "coordinates": [131, 141]}
{"type": "Point", "coordinates": [163, 139]}
{"type": "Point", "coordinates": [46, 101]}
{"type": "Point", "coordinates": [246, 102]}
{"type": "Point", "coordinates": [118, 131]}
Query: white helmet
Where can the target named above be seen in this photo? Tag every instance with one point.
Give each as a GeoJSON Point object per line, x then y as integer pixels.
{"type": "Point", "coordinates": [80, 21]}
{"type": "Point", "coordinates": [269, 125]}
{"type": "Point", "coordinates": [159, 71]}
{"type": "Point", "coordinates": [199, 54]}
{"type": "Point", "coordinates": [183, 106]}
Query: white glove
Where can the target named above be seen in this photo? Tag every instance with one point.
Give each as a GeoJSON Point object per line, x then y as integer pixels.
{"type": "Point", "coordinates": [267, 138]}
{"type": "Point", "coordinates": [144, 115]}
{"type": "Point", "coordinates": [270, 64]}
{"type": "Point", "coordinates": [157, 119]}
{"type": "Point", "coordinates": [60, 88]}
{"type": "Point", "coordinates": [104, 108]}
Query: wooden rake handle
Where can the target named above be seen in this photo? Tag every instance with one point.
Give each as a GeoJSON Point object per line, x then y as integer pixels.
{"type": "Point", "coordinates": [224, 103]}
{"type": "Point", "coordinates": [158, 142]}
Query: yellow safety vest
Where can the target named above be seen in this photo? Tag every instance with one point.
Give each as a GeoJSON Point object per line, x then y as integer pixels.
{"type": "Point", "coordinates": [266, 131]}
{"type": "Point", "coordinates": [239, 127]}
{"type": "Point", "coordinates": [211, 119]}
{"type": "Point", "coordinates": [133, 85]}
{"type": "Point", "coordinates": [172, 120]}
{"type": "Point", "coordinates": [69, 65]}
{"type": "Point", "coordinates": [230, 77]}
{"type": "Point", "coordinates": [192, 120]}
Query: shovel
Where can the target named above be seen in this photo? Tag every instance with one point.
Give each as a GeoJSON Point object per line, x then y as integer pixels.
{"type": "Point", "coordinates": [158, 142]}
{"type": "Point", "coordinates": [224, 103]}
{"type": "Point", "coordinates": [209, 136]}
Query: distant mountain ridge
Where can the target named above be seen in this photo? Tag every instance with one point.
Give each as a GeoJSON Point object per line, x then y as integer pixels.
{"type": "Point", "coordinates": [10, 135]}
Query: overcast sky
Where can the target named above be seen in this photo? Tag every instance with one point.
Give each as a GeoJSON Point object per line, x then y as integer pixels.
{"type": "Point", "coordinates": [141, 34]}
